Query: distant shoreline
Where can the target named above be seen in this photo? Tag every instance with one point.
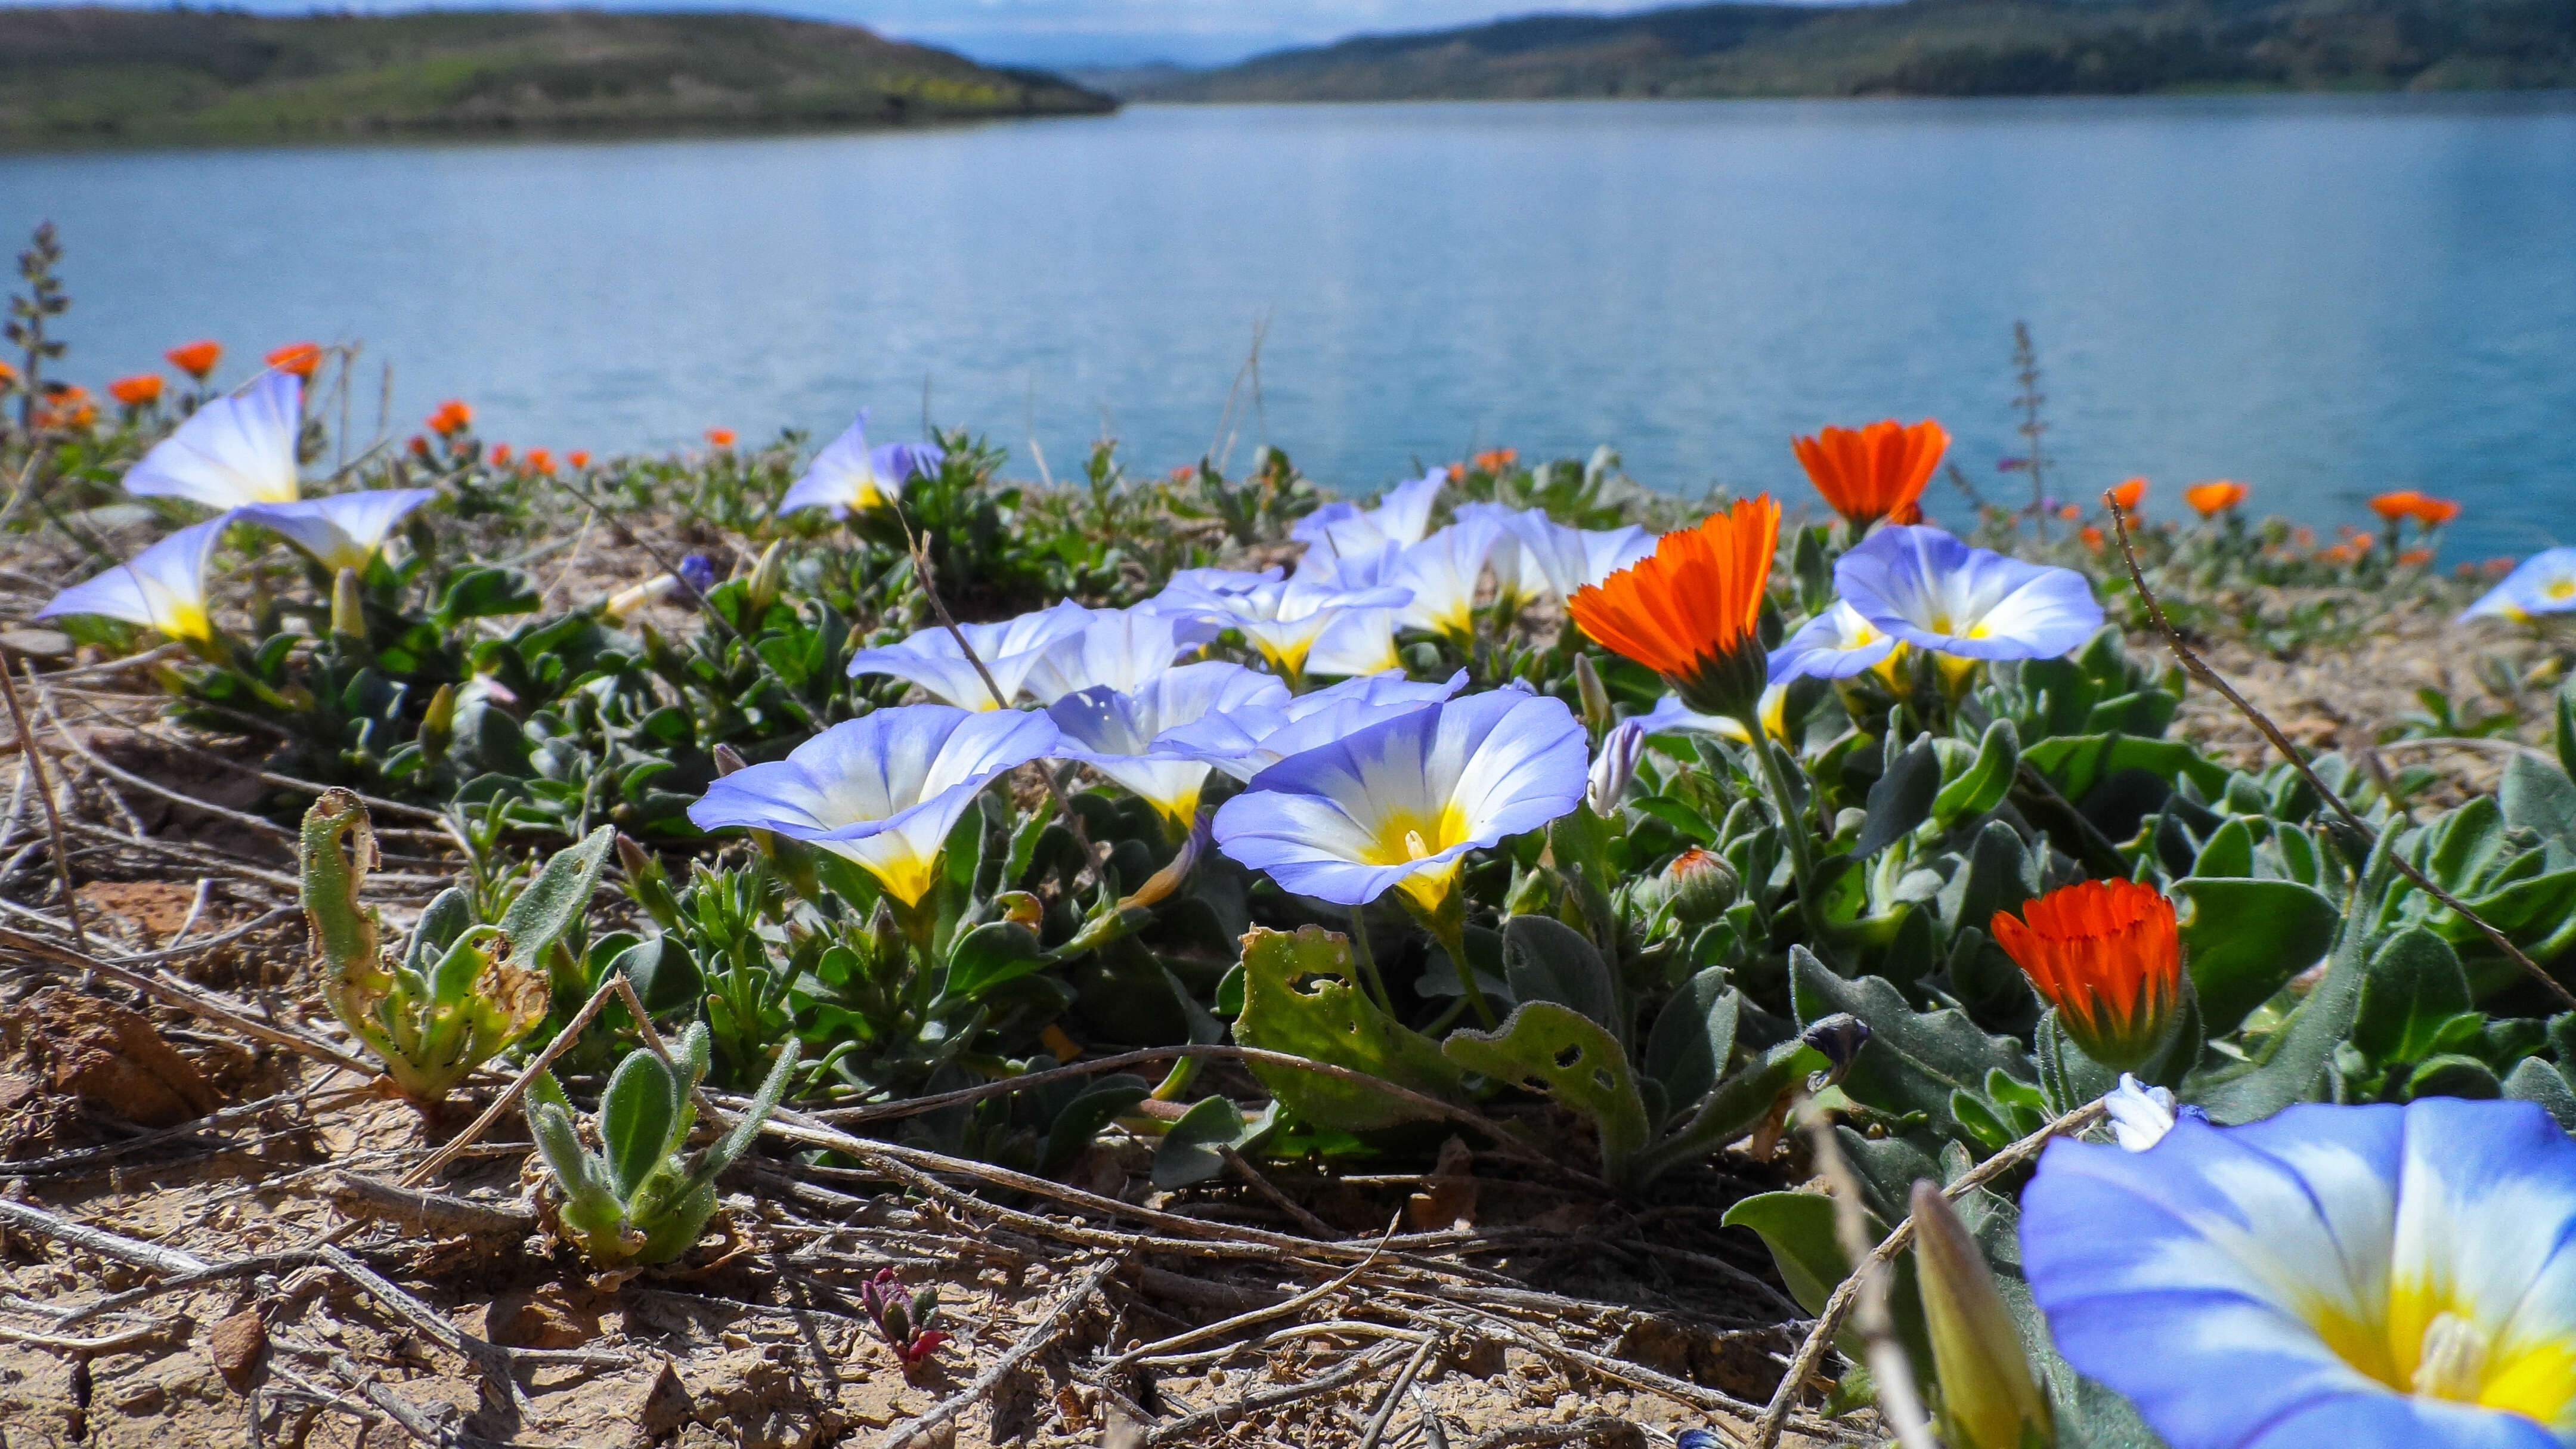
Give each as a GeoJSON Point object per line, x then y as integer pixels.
{"type": "Point", "coordinates": [80, 78]}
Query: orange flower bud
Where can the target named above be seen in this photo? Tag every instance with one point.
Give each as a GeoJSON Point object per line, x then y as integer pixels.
{"type": "Point", "coordinates": [499, 454]}
{"type": "Point", "coordinates": [720, 437]}
{"type": "Point", "coordinates": [2214, 498]}
{"type": "Point", "coordinates": [196, 358]}
{"type": "Point", "coordinates": [2108, 956]}
{"type": "Point", "coordinates": [578, 457]}
{"type": "Point", "coordinates": [2129, 495]}
{"type": "Point", "coordinates": [2093, 538]}
{"type": "Point", "coordinates": [300, 358]}
{"type": "Point", "coordinates": [140, 390]}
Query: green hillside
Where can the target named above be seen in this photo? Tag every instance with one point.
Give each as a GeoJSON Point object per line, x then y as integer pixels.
{"type": "Point", "coordinates": [1931, 47]}
{"type": "Point", "coordinates": [194, 75]}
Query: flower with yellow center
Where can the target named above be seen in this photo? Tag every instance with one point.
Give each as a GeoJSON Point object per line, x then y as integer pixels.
{"type": "Point", "coordinates": [882, 790]}
{"type": "Point", "coordinates": [163, 587]}
{"type": "Point", "coordinates": [850, 477]}
{"type": "Point", "coordinates": [2373, 1277]}
{"type": "Point", "coordinates": [232, 452]}
{"type": "Point", "coordinates": [1398, 805]}
{"type": "Point", "coordinates": [2544, 583]}
{"type": "Point", "coordinates": [1920, 586]}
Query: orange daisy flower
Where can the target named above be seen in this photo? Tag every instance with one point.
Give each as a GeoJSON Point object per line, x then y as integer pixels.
{"type": "Point", "coordinates": [2394, 506]}
{"type": "Point", "coordinates": [300, 358]}
{"type": "Point", "coordinates": [578, 457]}
{"type": "Point", "coordinates": [419, 445]}
{"type": "Point", "coordinates": [140, 390]}
{"type": "Point", "coordinates": [196, 358]}
{"type": "Point", "coordinates": [540, 460]}
{"type": "Point", "coordinates": [1495, 460]}
{"type": "Point", "coordinates": [2212, 499]}
{"type": "Point", "coordinates": [1689, 610]}
{"type": "Point", "coordinates": [2108, 956]}
{"type": "Point", "coordinates": [453, 416]}
{"type": "Point", "coordinates": [2129, 495]}
{"type": "Point", "coordinates": [2093, 538]}
{"type": "Point", "coordinates": [70, 408]}
{"type": "Point", "coordinates": [720, 437]}
{"type": "Point", "coordinates": [499, 455]}
{"type": "Point", "coordinates": [1874, 472]}
{"type": "Point", "coordinates": [2434, 512]}
{"type": "Point", "coordinates": [2416, 558]}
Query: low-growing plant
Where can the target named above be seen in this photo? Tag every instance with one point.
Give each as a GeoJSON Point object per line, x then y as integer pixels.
{"type": "Point", "coordinates": [643, 1198]}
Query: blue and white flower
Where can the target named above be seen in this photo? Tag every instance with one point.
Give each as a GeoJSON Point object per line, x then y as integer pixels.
{"type": "Point", "coordinates": [163, 587]}
{"type": "Point", "coordinates": [1443, 573]}
{"type": "Point", "coordinates": [1672, 717]}
{"type": "Point", "coordinates": [1835, 644]}
{"type": "Point", "coordinates": [1398, 805]}
{"type": "Point", "coordinates": [2544, 583]}
{"type": "Point", "coordinates": [1565, 559]}
{"type": "Point", "coordinates": [1929, 590]}
{"type": "Point", "coordinates": [343, 530]}
{"type": "Point", "coordinates": [1281, 618]}
{"type": "Point", "coordinates": [1345, 530]}
{"type": "Point", "coordinates": [1246, 740]}
{"type": "Point", "coordinates": [232, 452]}
{"type": "Point", "coordinates": [1115, 731]}
{"type": "Point", "coordinates": [1120, 649]}
{"type": "Point", "coordinates": [882, 790]}
{"type": "Point", "coordinates": [1357, 643]}
{"type": "Point", "coordinates": [849, 477]}
{"type": "Point", "coordinates": [2375, 1277]}
{"type": "Point", "coordinates": [1011, 649]}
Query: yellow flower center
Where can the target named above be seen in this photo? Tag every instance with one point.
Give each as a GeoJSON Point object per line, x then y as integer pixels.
{"type": "Point", "coordinates": [1405, 837]}
{"type": "Point", "coordinates": [2561, 589]}
{"type": "Point", "coordinates": [182, 620]}
{"type": "Point", "coordinates": [2432, 1349]}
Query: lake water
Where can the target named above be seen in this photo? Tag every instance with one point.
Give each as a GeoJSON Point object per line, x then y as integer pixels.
{"type": "Point", "coordinates": [2324, 297]}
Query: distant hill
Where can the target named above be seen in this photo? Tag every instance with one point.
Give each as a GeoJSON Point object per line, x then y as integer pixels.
{"type": "Point", "coordinates": [211, 75]}
{"type": "Point", "coordinates": [1928, 48]}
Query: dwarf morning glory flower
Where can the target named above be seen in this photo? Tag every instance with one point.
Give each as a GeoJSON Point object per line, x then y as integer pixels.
{"type": "Point", "coordinates": [1114, 732]}
{"type": "Point", "coordinates": [1011, 649]}
{"type": "Point", "coordinates": [1248, 739]}
{"type": "Point", "coordinates": [163, 587]}
{"type": "Point", "coordinates": [698, 572]}
{"type": "Point", "coordinates": [1442, 572]}
{"type": "Point", "coordinates": [1503, 556]}
{"type": "Point", "coordinates": [1282, 619]}
{"type": "Point", "coordinates": [2544, 583]}
{"type": "Point", "coordinates": [849, 476]}
{"type": "Point", "coordinates": [1835, 644]}
{"type": "Point", "coordinates": [341, 531]}
{"type": "Point", "coordinates": [1567, 559]}
{"type": "Point", "coordinates": [1194, 582]}
{"type": "Point", "coordinates": [882, 790]}
{"type": "Point", "coordinates": [1119, 648]}
{"type": "Point", "coordinates": [2140, 1116]}
{"type": "Point", "coordinates": [1672, 717]}
{"type": "Point", "coordinates": [1344, 530]}
{"type": "Point", "coordinates": [1932, 591]}
{"type": "Point", "coordinates": [2379, 1277]}
{"type": "Point", "coordinates": [1358, 642]}
{"type": "Point", "coordinates": [1398, 805]}
{"type": "Point", "coordinates": [232, 451]}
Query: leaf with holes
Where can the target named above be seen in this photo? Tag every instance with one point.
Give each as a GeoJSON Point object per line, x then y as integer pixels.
{"type": "Point", "coordinates": [1557, 1050]}
{"type": "Point", "coordinates": [1301, 996]}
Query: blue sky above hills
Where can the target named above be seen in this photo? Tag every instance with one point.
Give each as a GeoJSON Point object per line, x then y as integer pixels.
{"type": "Point", "coordinates": [1193, 32]}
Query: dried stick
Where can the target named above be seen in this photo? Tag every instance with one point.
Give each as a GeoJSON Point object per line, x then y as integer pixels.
{"type": "Point", "coordinates": [2199, 669]}
{"type": "Point", "coordinates": [1540, 1436]}
{"type": "Point", "coordinates": [1386, 1408]}
{"type": "Point", "coordinates": [108, 1344]}
{"type": "Point", "coordinates": [44, 793]}
{"type": "Point", "coordinates": [1360, 1366]}
{"type": "Point", "coordinates": [1889, 1370]}
{"type": "Point", "coordinates": [1766, 1433]}
{"type": "Point", "coordinates": [946, 1411]}
{"type": "Point", "coordinates": [456, 1145]}
{"type": "Point", "coordinates": [1315, 1227]}
{"type": "Point", "coordinates": [29, 1218]}
{"type": "Point", "coordinates": [1241, 1321]}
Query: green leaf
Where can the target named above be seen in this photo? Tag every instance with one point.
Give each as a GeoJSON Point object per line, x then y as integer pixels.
{"type": "Point", "coordinates": [991, 954]}
{"type": "Point", "coordinates": [2414, 987]}
{"type": "Point", "coordinates": [2539, 796]}
{"type": "Point", "coordinates": [2076, 763]}
{"type": "Point", "coordinates": [635, 1119]}
{"type": "Point", "coordinates": [746, 1127]}
{"type": "Point", "coordinates": [2451, 1074]}
{"type": "Point", "coordinates": [1301, 996]}
{"type": "Point", "coordinates": [1798, 1228]}
{"type": "Point", "coordinates": [2229, 853]}
{"type": "Point", "coordinates": [483, 593]}
{"type": "Point", "coordinates": [2533, 1080]}
{"type": "Point", "coordinates": [1100, 1103]}
{"type": "Point", "coordinates": [1546, 960]}
{"type": "Point", "coordinates": [664, 974]}
{"type": "Point", "coordinates": [1192, 1151]}
{"type": "Point", "coordinates": [1913, 1060]}
{"type": "Point", "coordinates": [2296, 1056]}
{"type": "Point", "coordinates": [2246, 938]}
{"type": "Point", "coordinates": [1900, 799]}
{"type": "Point", "coordinates": [1693, 1037]}
{"type": "Point", "coordinates": [556, 898]}
{"type": "Point", "coordinates": [1551, 1048]}
{"type": "Point", "coordinates": [1982, 786]}
{"type": "Point", "coordinates": [441, 922]}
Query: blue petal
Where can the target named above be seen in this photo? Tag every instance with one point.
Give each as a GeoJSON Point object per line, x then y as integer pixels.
{"type": "Point", "coordinates": [2544, 583]}
{"type": "Point", "coordinates": [1930, 590]}
{"type": "Point", "coordinates": [1835, 644]}
{"type": "Point", "coordinates": [230, 452]}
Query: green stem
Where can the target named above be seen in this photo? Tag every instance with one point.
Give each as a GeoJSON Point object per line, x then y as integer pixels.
{"type": "Point", "coordinates": [1793, 824]}
{"type": "Point", "coordinates": [1448, 926]}
{"type": "Point", "coordinates": [1366, 960]}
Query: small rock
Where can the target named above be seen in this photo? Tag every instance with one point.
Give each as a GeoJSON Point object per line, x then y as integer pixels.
{"type": "Point", "coordinates": [38, 643]}
{"type": "Point", "coordinates": [235, 1345]}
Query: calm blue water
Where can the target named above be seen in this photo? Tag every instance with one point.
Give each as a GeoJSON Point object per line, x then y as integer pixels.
{"type": "Point", "coordinates": [2325, 297]}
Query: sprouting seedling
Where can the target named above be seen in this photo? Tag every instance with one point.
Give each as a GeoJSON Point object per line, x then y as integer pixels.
{"type": "Point", "coordinates": [642, 1198]}
{"type": "Point", "coordinates": [906, 1323]}
{"type": "Point", "coordinates": [458, 994]}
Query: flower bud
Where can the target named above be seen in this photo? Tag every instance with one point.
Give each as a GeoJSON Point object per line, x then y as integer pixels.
{"type": "Point", "coordinates": [348, 610]}
{"type": "Point", "coordinates": [1988, 1399]}
{"type": "Point", "coordinates": [2108, 956]}
{"type": "Point", "coordinates": [626, 601]}
{"type": "Point", "coordinates": [438, 723]}
{"type": "Point", "coordinates": [1596, 698]}
{"type": "Point", "coordinates": [766, 577]}
{"type": "Point", "coordinates": [1702, 884]}
{"type": "Point", "coordinates": [2140, 1116]}
{"type": "Point", "coordinates": [1616, 768]}
{"type": "Point", "coordinates": [728, 760]}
